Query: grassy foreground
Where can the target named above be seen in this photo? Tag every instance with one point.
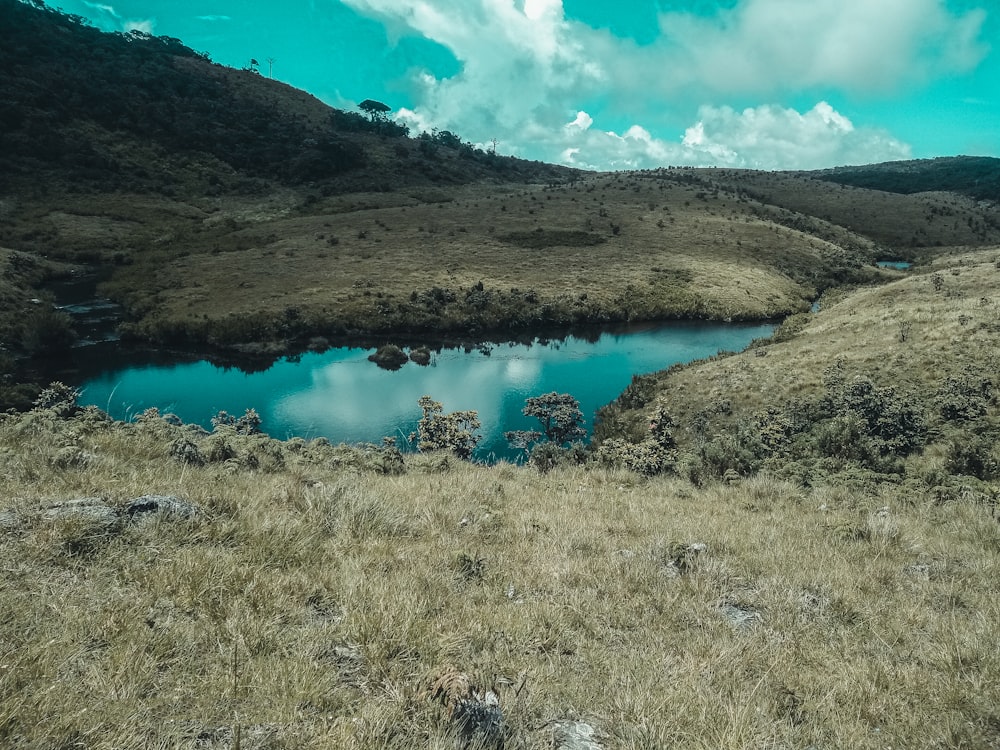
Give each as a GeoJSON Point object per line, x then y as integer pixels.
{"type": "Point", "coordinates": [304, 595]}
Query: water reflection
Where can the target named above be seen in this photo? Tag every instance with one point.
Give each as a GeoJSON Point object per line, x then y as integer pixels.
{"type": "Point", "coordinates": [340, 395]}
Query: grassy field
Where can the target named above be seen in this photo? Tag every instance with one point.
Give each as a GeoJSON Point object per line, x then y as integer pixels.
{"type": "Point", "coordinates": [296, 594]}
{"type": "Point", "coordinates": [313, 600]}
{"type": "Point", "coordinates": [277, 269]}
{"type": "Point", "coordinates": [937, 322]}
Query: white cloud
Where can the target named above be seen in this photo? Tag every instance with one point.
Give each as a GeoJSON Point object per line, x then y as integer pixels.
{"type": "Point", "coordinates": [771, 46]}
{"type": "Point", "coordinates": [582, 122]}
{"type": "Point", "coordinates": [214, 18]}
{"type": "Point", "coordinates": [766, 137]}
{"type": "Point", "coordinates": [527, 71]}
{"type": "Point", "coordinates": [107, 18]}
{"type": "Point", "coordinates": [774, 137]}
{"type": "Point", "coordinates": [146, 26]}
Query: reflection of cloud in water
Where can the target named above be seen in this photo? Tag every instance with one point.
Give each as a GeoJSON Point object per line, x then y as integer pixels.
{"type": "Point", "coordinates": [349, 400]}
{"type": "Point", "coordinates": [339, 394]}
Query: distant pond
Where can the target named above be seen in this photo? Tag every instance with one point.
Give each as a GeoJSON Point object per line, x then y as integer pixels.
{"type": "Point", "coordinates": [340, 395]}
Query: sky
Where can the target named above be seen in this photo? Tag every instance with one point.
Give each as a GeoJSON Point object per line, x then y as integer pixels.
{"type": "Point", "coordinates": [631, 84]}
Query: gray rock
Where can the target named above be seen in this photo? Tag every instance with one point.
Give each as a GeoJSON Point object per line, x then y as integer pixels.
{"type": "Point", "coordinates": [740, 616]}
{"type": "Point", "coordinates": [480, 721]}
{"type": "Point", "coordinates": [919, 571]}
{"type": "Point", "coordinates": [574, 735]}
{"type": "Point", "coordinates": [10, 520]}
{"type": "Point", "coordinates": [88, 509]}
{"type": "Point", "coordinates": [149, 506]}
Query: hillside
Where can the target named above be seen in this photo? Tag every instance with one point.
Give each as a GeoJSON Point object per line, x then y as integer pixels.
{"type": "Point", "coordinates": [224, 210]}
{"type": "Point", "coordinates": [894, 383]}
{"type": "Point", "coordinates": [167, 587]}
{"type": "Point", "coordinates": [87, 111]}
{"type": "Point", "coordinates": [975, 177]}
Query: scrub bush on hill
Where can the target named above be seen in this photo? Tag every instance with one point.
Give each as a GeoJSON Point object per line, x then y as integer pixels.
{"type": "Point", "coordinates": [560, 417]}
{"type": "Point", "coordinates": [46, 330]}
{"type": "Point", "coordinates": [454, 432]}
{"type": "Point", "coordinates": [559, 414]}
{"type": "Point", "coordinates": [656, 454]}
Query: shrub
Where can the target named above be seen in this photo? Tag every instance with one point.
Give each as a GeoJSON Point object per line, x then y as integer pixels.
{"type": "Point", "coordinates": [971, 456]}
{"type": "Point", "coordinates": [559, 414]}
{"type": "Point", "coordinates": [646, 458]}
{"type": "Point", "coordinates": [454, 432]}
{"type": "Point", "coordinates": [248, 424]}
{"type": "Point", "coordinates": [46, 330]}
{"type": "Point", "coordinates": [964, 398]}
{"type": "Point", "coordinates": [892, 422]}
{"type": "Point", "coordinates": [58, 398]}
{"type": "Point", "coordinates": [547, 456]}
{"type": "Point", "coordinates": [656, 454]}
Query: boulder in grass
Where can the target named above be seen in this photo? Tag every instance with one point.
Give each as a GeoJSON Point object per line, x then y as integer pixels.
{"type": "Point", "coordinates": [91, 510]}
{"type": "Point", "coordinates": [574, 735]}
{"type": "Point", "coordinates": [152, 506]}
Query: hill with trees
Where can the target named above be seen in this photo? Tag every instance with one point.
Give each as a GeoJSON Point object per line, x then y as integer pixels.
{"type": "Point", "coordinates": [791, 546]}
{"type": "Point", "coordinates": [976, 177]}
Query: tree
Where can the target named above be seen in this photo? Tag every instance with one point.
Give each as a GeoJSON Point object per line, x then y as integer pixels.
{"type": "Point", "coordinates": [454, 432]}
{"type": "Point", "coordinates": [560, 415]}
{"type": "Point", "coordinates": [376, 111]}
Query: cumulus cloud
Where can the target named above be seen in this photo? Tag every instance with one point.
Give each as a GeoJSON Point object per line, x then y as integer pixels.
{"type": "Point", "coordinates": [146, 27]}
{"type": "Point", "coordinates": [856, 45]}
{"type": "Point", "coordinates": [107, 18]}
{"type": "Point", "coordinates": [766, 137]}
{"type": "Point", "coordinates": [528, 73]}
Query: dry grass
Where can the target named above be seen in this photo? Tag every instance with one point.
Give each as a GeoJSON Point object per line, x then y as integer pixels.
{"type": "Point", "coordinates": [281, 265]}
{"type": "Point", "coordinates": [677, 243]}
{"type": "Point", "coordinates": [314, 605]}
{"type": "Point", "coordinates": [914, 333]}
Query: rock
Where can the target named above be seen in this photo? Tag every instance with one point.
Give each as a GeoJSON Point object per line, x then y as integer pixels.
{"type": "Point", "coordinates": [919, 571]}
{"type": "Point", "coordinates": [389, 357]}
{"type": "Point", "coordinates": [91, 510]}
{"type": "Point", "coordinates": [10, 520]}
{"type": "Point", "coordinates": [740, 616]}
{"type": "Point", "coordinates": [574, 735]}
{"type": "Point", "coordinates": [480, 722]}
{"type": "Point", "coordinates": [421, 356]}
{"type": "Point", "coordinates": [149, 506]}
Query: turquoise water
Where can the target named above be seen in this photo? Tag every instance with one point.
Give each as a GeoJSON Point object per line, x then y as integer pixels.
{"type": "Point", "coordinates": [340, 395]}
{"type": "Point", "coordinates": [899, 265]}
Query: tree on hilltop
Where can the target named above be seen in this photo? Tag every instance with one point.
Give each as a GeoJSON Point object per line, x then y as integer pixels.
{"type": "Point", "coordinates": [376, 111]}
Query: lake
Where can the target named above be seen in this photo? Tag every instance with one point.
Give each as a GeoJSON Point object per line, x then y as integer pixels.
{"type": "Point", "coordinates": [340, 395]}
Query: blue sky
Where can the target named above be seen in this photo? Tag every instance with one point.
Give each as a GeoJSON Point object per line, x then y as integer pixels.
{"type": "Point", "coordinates": [770, 84]}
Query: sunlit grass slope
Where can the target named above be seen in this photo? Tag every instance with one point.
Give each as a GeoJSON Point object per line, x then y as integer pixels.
{"type": "Point", "coordinates": [307, 596]}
